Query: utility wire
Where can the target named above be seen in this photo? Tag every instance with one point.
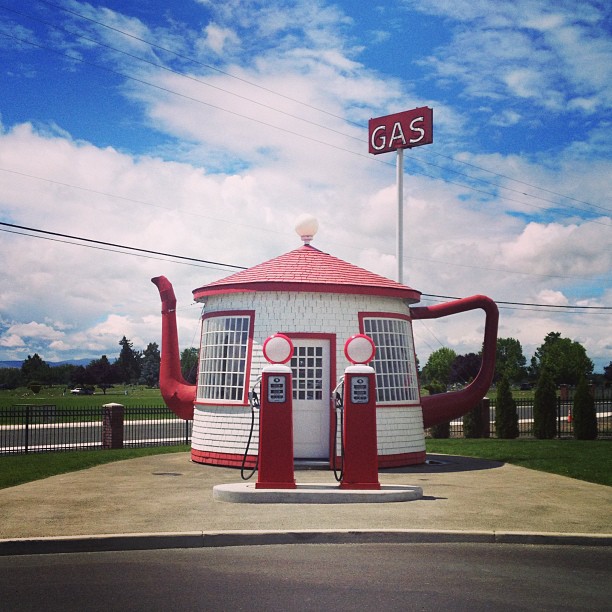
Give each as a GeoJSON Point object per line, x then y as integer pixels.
{"type": "Point", "coordinates": [181, 74]}
{"type": "Point", "coordinates": [297, 101]}
{"type": "Point", "coordinates": [418, 160]}
{"type": "Point", "coordinates": [199, 63]}
{"type": "Point", "coordinates": [563, 307]}
{"type": "Point", "coordinates": [57, 236]}
{"type": "Point", "coordinates": [299, 135]}
{"type": "Point", "coordinates": [133, 200]}
{"type": "Point", "coordinates": [233, 222]}
{"type": "Point", "coordinates": [119, 246]}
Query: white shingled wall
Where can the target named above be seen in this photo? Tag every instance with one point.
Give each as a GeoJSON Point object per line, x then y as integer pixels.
{"type": "Point", "coordinates": [225, 429]}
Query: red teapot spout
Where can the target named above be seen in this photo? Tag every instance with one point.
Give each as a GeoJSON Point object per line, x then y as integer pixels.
{"type": "Point", "coordinates": [178, 394]}
{"type": "Point", "coordinates": [448, 406]}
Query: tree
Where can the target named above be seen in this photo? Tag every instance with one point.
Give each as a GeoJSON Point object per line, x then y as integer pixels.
{"type": "Point", "coordinates": [473, 423]}
{"type": "Point", "coordinates": [149, 367]}
{"type": "Point", "coordinates": [464, 368]}
{"type": "Point", "coordinates": [78, 376]}
{"type": "Point", "coordinates": [10, 378]}
{"type": "Point", "coordinates": [566, 359]}
{"type": "Point", "coordinates": [585, 416]}
{"type": "Point", "coordinates": [509, 360]}
{"type": "Point", "coordinates": [189, 364]}
{"type": "Point", "coordinates": [608, 372]}
{"type": "Point", "coordinates": [62, 374]}
{"type": "Point", "coordinates": [438, 366]}
{"type": "Point", "coordinates": [128, 363]}
{"type": "Point", "coordinates": [545, 407]}
{"type": "Point", "coordinates": [506, 417]}
{"type": "Point", "coordinates": [100, 372]}
{"type": "Point", "coordinates": [34, 368]}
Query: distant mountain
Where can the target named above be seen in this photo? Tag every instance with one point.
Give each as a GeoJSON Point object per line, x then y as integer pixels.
{"type": "Point", "coordinates": [10, 364]}
{"type": "Point", "coordinates": [76, 362]}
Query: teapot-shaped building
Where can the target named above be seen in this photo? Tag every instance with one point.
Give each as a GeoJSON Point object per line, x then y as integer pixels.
{"type": "Point", "coordinates": [319, 301]}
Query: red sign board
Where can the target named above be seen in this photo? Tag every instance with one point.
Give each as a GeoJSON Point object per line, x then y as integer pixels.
{"type": "Point", "coordinates": [404, 130]}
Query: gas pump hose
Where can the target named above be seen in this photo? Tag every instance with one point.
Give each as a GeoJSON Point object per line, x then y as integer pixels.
{"type": "Point", "coordinates": [338, 397]}
{"type": "Point", "coordinates": [254, 404]}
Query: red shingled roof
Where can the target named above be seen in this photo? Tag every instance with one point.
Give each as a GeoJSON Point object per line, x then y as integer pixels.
{"type": "Point", "coordinates": [308, 270]}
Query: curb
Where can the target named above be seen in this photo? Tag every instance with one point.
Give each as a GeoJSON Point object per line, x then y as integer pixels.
{"type": "Point", "coordinates": [314, 493]}
{"type": "Point", "coordinates": [212, 539]}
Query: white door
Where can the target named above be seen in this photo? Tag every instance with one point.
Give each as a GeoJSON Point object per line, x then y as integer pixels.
{"type": "Point", "coordinates": [311, 398]}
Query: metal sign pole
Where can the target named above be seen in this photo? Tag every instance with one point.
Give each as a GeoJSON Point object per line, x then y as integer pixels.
{"type": "Point", "coordinates": [411, 128]}
{"type": "Point", "coordinates": [400, 215]}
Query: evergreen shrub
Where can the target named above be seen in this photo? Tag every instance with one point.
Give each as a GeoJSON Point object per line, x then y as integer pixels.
{"type": "Point", "coordinates": [584, 415]}
{"type": "Point", "coordinates": [506, 417]}
{"type": "Point", "coordinates": [545, 407]}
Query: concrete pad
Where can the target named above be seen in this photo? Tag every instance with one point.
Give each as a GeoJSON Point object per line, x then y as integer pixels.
{"type": "Point", "coordinates": [314, 493]}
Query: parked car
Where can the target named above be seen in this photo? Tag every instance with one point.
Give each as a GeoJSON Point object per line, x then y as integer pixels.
{"type": "Point", "coordinates": [81, 391]}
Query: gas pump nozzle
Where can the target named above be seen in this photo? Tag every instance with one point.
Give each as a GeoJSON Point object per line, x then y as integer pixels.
{"type": "Point", "coordinates": [338, 394]}
{"type": "Point", "coordinates": [253, 397]}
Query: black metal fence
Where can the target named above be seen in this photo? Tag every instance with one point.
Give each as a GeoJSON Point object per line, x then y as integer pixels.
{"type": "Point", "coordinates": [565, 425]}
{"type": "Point", "coordinates": [36, 429]}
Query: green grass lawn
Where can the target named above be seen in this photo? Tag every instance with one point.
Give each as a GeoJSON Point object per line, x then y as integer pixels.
{"type": "Point", "coordinates": [18, 469]}
{"type": "Point", "coordinates": [60, 397]}
{"type": "Point", "coordinates": [589, 460]}
{"type": "Point", "coordinates": [64, 402]}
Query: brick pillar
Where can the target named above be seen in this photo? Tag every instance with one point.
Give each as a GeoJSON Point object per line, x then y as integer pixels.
{"type": "Point", "coordinates": [112, 426]}
{"type": "Point", "coordinates": [564, 393]}
{"type": "Point", "coordinates": [485, 415]}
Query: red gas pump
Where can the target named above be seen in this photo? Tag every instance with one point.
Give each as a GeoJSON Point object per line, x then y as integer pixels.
{"type": "Point", "coordinates": [360, 444]}
{"type": "Point", "coordinates": [275, 469]}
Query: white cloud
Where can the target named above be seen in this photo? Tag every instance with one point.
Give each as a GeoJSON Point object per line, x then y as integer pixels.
{"type": "Point", "coordinates": [12, 341]}
{"type": "Point", "coordinates": [218, 38]}
{"type": "Point", "coordinates": [538, 51]}
{"type": "Point", "coordinates": [555, 298]}
{"type": "Point", "coordinates": [34, 330]}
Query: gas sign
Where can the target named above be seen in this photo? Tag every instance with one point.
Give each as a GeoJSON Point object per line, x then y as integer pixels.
{"type": "Point", "coordinates": [404, 130]}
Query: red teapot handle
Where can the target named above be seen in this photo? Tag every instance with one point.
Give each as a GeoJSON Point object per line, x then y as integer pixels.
{"type": "Point", "coordinates": [448, 406]}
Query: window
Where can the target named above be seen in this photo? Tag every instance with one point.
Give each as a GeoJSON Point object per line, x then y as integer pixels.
{"type": "Point", "coordinates": [224, 357]}
{"type": "Point", "coordinates": [395, 362]}
{"type": "Point", "coordinates": [307, 367]}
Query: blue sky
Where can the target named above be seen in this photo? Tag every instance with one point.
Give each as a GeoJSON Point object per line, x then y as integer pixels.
{"type": "Point", "coordinates": [204, 129]}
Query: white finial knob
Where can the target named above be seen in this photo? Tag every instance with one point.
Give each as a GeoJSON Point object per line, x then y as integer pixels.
{"type": "Point", "coordinates": [306, 227]}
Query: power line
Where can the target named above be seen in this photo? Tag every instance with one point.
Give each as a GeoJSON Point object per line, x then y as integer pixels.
{"type": "Point", "coordinates": [418, 160]}
{"type": "Point", "coordinates": [299, 135]}
{"type": "Point", "coordinates": [119, 246]}
{"type": "Point", "coordinates": [297, 101]}
{"type": "Point", "coordinates": [100, 243]}
{"type": "Point", "coordinates": [233, 222]}
{"type": "Point", "coordinates": [127, 199]}
{"type": "Point", "coordinates": [450, 297]}
{"type": "Point", "coordinates": [181, 74]}
{"type": "Point", "coordinates": [504, 176]}
{"type": "Point", "coordinates": [199, 63]}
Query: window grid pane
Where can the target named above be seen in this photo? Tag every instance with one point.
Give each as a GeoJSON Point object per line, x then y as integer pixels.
{"type": "Point", "coordinates": [223, 358]}
{"type": "Point", "coordinates": [307, 367]}
{"type": "Point", "coordinates": [394, 363]}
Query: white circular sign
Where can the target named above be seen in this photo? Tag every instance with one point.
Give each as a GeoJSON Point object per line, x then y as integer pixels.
{"type": "Point", "coordinates": [278, 349]}
{"type": "Point", "coordinates": [360, 349]}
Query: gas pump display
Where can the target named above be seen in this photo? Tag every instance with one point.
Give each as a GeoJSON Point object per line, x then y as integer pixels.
{"type": "Point", "coordinates": [277, 389]}
{"type": "Point", "coordinates": [360, 390]}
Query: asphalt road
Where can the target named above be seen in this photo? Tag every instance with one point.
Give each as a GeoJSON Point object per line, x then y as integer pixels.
{"type": "Point", "coordinates": [317, 577]}
{"type": "Point", "coordinates": [79, 435]}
